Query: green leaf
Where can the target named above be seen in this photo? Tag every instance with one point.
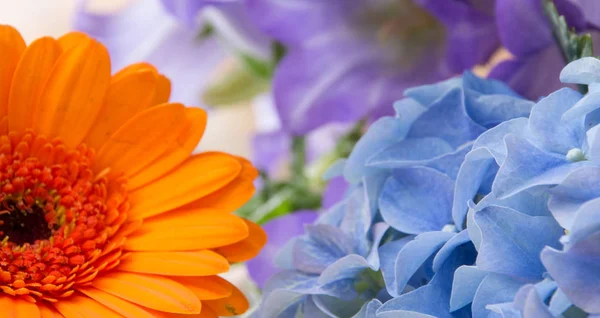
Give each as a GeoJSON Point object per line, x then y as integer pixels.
{"type": "Point", "coordinates": [572, 45]}
{"type": "Point", "coordinates": [239, 84]}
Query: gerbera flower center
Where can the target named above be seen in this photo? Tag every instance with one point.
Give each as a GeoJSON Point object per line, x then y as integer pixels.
{"type": "Point", "coordinates": [403, 30]}
{"type": "Point", "coordinates": [56, 217]}
{"type": "Point", "coordinates": [24, 224]}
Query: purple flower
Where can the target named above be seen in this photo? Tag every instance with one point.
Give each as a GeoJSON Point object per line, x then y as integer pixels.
{"type": "Point", "coordinates": [165, 34]}
{"type": "Point", "coordinates": [525, 31]}
{"type": "Point", "coordinates": [348, 59]}
{"type": "Point", "coordinates": [279, 231]}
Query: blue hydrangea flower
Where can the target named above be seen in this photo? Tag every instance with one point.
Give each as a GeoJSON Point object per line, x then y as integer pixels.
{"type": "Point", "coordinates": [332, 269]}
{"type": "Point", "coordinates": [522, 269]}
{"type": "Point", "coordinates": [435, 126]}
{"type": "Point", "coordinates": [413, 160]}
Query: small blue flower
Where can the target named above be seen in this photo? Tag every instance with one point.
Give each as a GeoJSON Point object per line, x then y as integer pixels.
{"type": "Point", "coordinates": [333, 267]}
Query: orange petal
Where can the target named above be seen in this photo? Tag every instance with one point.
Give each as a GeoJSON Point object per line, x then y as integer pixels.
{"type": "Point", "coordinates": [207, 287]}
{"type": "Point", "coordinates": [185, 230]}
{"type": "Point", "coordinates": [132, 68]}
{"type": "Point", "coordinates": [141, 139]}
{"type": "Point", "coordinates": [11, 48]}
{"type": "Point", "coordinates": [247, 248]}
{"type": "Point", "coordinates": [190, 134]}
{"type": "Point", "coordinates": [233, 305]}
{"type": "Point", "coordinates": [205, 313]}
{"type": "Point", "coordinates": [47, 311]}
{"type": "Point", "coordinates": [127, 95]}
{"type": "Point", "coordinates": [118, 305]}
{"type": "Point", "coordinates": [77, 306]}
{"type": "Point", "coordinates": [154, 292]}
{"type": "Point", "coordinates": [29, 79]}
{"type": "Point", "coordinates": [198, 176]}
{"type": "Point", "coordinates": [232, 196]}
{"type": "Point", "coordinates": [194, 263]}
{"type": "Point", "coordinates": [13, 307]}
{"type": "Point", "coordinates": [163, 90]}
{"type": "Point", "coordinates": [74, 93]}
{"type": "Point", "coordinates": [72, 39]}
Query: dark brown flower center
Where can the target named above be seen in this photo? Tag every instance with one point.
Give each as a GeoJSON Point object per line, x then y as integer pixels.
{"type": "Point", "coordinates": [21, 224]}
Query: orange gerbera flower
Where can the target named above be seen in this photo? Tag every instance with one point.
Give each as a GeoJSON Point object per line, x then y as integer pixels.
{"type": "Point", "coordinates": [104, 212]}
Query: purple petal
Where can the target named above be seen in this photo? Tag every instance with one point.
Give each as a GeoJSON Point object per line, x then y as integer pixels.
{"type": "Point", "coordinates": [590, 10]}
{"type": "Point", "coordinates": [334, 192]}
{"type": "Point", "coordinates": [185, 10]}
{"type": "Point", "coordinates": [523, 74]}
{"type": "Point", "coordinates": [145, 32]}
{"type": "Point", "coordinates": [279, 231]}
{"type": "Point", "coordinates": [270, 150]}
{"type": "Point", "coordinates": [281, 19]}
{"type": "Point", "coordinates": [309, 81]}
{"type": "Point", "coordinates": [515, 16]}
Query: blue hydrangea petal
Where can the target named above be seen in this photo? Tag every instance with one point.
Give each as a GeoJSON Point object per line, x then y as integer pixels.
{"type": "Point", "coordinates": [402, 314]}
{"type": "Point", "coordinates": [532, 304]}
{"type": "Point", "coordinates": [382, 133]}
{"type": "Point", "coordinates": [472, 173]}
{"type": "Point", "coordinates": [378, 230]}
{"type": "Point", "coordinates": [527, 166]}
{"type": "Point", "coordinates": [494, 289]}
{"type": "Point", "coordinates": [388, 254]}
{"type": "Point", "coordinates": [335, 307]}
{"type": "Point", "coordinates": [310, 309]}
{"type": "Point", "coordinates": [357, 219]}
{"type": "Point", "coordinates": [490, 110]}
{"type": "Point", "coordinates": [412, 256]}
{"type": "Point", "coordinates": [475, 84]}
{"type": "Point", "coordinates": [346, 267]}
{"type": "Point", "coordinates": [294, 281]}
{"type": "Point", "coordinates": [473, 229]}
{"type": "Point", "coordinates": [282, 303]}
{"type": "Point", "coordinates": [374, 185]}
{"type": "Point", "coordinates": [576, 272]}
{"type": "Point", "coordinates": [544, 289]}
{"type": "Point", "coordinates": [578, 187]}
{"type": "Point", "coordinates": [428, 94]}
{"type": "Point", "coordinates": [586, 222]}
{"type": "Point", "coordinates": [342, 289]}
{"type": "Point", "coordinates": [493, 139]}
{"type": "Point", "coordinates": [505, 310]}
{"type": "Point", "coordinates": [586, 105]}
{"type": "Point", "coordinates": [285, 256]}
{"type": "Point", "coordinates": [369, 309]}
{"type": "Point", "coordinates": [408, 110]}
{"type": "Point", "coordinates": [450, 163]}
{"type": "Point", "coordinates": [433, 298]}
{"type": "Point", "coordinates": [548, 128]}
{"type": "Point", "coordinates": [417, 200]}
{"type": "Point", "coordinates": [443, 254]}
{"type": "Point", "coordinates": [336, 169]}
{"type": "Point", "coordinates": [466, 281]}
{"type": "Point", "coordinates": [511, 241]}
{"type": "Point", "coordinates": [524, 202]}
{"type": "Point", "coordinates": [322, 247]}
{"type": "Point", "coordinates": [582, 71]}
{"type": "Point", "coordinates": [559, 303]}
{"type": "Point", "coordinates": [409, 152]}
{"type": "Point", "coordinates": [447, 118]}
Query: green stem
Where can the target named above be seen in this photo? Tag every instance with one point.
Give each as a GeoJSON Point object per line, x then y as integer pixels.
{"type": "Point", "coordinates": [298, 158]}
